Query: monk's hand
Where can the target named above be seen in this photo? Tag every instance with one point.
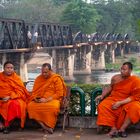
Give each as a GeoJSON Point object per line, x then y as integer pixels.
{"type": "Point", "coordinates": [116, 105]}
{"type": "Point", "coordinates": [37, 99]}
{"type": "Point", "coordinates": [5, 99]}
{"type": "Point", "coordinates": [98, 99]}
{"type": "Point", "coordinates": [43, 100]}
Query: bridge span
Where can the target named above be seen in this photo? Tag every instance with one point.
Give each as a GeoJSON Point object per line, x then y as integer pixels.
{"type": "Point", "coordinates": [69, 53]}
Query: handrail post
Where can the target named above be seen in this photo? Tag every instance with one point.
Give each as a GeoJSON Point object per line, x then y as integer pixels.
{"type": "Point", "coordinates": [82, 98]}
{"type": "Point", "coordinates": [94, 94]}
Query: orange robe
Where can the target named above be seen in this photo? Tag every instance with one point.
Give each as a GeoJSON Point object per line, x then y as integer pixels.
{"type": "Point", "coordinates": [15, 107]}
{"type": "Point", "coordinates": [120, 91]}
{"type": "Point", "coordinates": [47, 112]}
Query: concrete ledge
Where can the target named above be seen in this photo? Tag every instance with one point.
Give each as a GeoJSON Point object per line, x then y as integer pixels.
{"type": "Point", "coordinates": [72, 121]}
{"type": "Point", "coordinates": [85, 122]}
{"type": "Point", "coordinates": [82, 122]}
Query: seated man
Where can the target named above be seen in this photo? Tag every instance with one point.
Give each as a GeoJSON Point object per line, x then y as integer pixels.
{"type": "Point", "coordinates": [44, 104]}
{"type": "Point", "coordinates": [122, 106]}
{"type": "Point", "coordinates": [13, 96]}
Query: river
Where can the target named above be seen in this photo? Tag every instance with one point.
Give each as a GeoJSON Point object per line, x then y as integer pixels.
{"type": "Point", "coordinates": [100, 77]}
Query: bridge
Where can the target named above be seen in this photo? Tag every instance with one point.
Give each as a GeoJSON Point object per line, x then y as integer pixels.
{"type": "Point", "coordinates": [69, 53]}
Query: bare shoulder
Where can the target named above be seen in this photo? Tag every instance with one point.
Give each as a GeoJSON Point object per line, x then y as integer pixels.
{"type": "Point", "coordinates": [116, 78]}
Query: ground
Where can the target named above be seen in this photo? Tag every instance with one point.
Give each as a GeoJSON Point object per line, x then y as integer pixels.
{"type": "Point", "coordinates": [70, 134]}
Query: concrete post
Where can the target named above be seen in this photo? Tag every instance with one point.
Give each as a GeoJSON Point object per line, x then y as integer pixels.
{"type": "Point", "coordinates": [4, 59]}
{"type": "Point", "coordinates": [84, 60]}
{"type": "Point", "coordinates": [122, 50]}
{"type": "Point", "coordinates": [98, 62]}
{"type": "Point", "coordinates": [23, 69]}
{"type": "Point", "coordinates": [113, 52]}
{"type": "Point", "coordinates": [70, 66]}
{"type": "Point", "coordinates": [88, 60]}
{"type": "Point", "coordinates": [53, 60]}
{"type": "Point", "coordinates": [102, 58]}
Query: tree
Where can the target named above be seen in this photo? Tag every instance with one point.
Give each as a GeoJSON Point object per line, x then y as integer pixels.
{"type": "Point", "coordinates": [133, 6]}
{"type": "Point", "coordinates": [34, 11]}
{"type": "Point", "coordinates": [116, 17]}
{"type": "Point", "coordinates": [60, 2]}
{"type": "Point", "coordinates": [81, 16]}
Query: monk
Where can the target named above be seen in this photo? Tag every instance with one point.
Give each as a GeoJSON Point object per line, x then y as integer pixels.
{"type": "Point", "coordinates": [121, 107]}
{"type": "Point", "coordinates": [44, 104]}
{"type": "Point", "coordinates": [13, 97]}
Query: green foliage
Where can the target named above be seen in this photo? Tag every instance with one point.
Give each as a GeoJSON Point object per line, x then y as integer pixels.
{"type": "Point", "coordinates": [111, 66]}
{"type": "Point", "coordinates": [133, 60]}
{"type": "Point", "coordinates": [75, 108]}
{"type": "Point", "coordinates": [81, 16]}
{"type": "Point", "coordinates": [115, 17]}
{"type": "Point", "coordinates": [103, 16]}
{"type": "Point", "coordinates": [34, 11]}
{"type": "Point", "coordinates": [85, 87]}
{"type": "Point", "coordinates": [60, 2]}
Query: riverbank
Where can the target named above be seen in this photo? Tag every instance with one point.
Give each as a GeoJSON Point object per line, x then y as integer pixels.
{"type": "Point", "coordinates": [134, 58]}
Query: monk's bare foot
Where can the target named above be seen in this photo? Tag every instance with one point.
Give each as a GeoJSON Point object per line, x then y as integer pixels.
{"type": "Point", "coordinates": [46, 129]}
{"type": "Point", "coordinates": [113, 133]}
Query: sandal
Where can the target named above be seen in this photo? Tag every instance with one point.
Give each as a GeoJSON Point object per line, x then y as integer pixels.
{"type": "Point", "coordinates": [1, 127]}
{"type": "Point", "coordinates": [114, 135]}
{"type": "Point", "coordinates": [122, 134]}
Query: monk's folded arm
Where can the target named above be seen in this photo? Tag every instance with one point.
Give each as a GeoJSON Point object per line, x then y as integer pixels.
{"type": "Point", "coordinates": [125, 101]}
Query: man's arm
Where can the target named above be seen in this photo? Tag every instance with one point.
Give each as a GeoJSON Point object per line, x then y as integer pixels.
{"type": "Point", "coordinates": [119, 103]}
{"type": "Point", "coordinates": [107, 90]}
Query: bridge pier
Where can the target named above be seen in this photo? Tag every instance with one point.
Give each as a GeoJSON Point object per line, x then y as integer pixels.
{"type": "Point", "coordinates": [62, 61]}
{"type": "Point", "coordinates": [113, 47]}
{"type": "Point", "coordinates": [98, 59]}
{"type": "Point", "coordinates": [70, 70]}
{"type": "Point", "coordinates": [23, 68]}
{"type": "Point", "coordinates": [110, 53]}
{"type": "Point", "coordinates": [119, 51]}
{"type": "Point", "coordinates": [53, 60]}
{"type": "Point", "coordinates": [4, 58]}
{"type": "Point", "coordinates": [83, 60]}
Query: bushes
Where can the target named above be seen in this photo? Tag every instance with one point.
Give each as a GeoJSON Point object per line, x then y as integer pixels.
{"type": "Point", "coordinates": [76, 108]}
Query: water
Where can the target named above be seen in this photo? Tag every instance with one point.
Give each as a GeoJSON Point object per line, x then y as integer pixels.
{"type": "Point", "coordinates": [100, 77]}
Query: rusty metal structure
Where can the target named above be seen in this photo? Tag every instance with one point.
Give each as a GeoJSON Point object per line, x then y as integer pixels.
{"type": "Point", "coordinates": [16, 34]}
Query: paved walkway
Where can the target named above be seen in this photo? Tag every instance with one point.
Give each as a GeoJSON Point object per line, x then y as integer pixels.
{"type": "Point", "coordinates": [70, 134]}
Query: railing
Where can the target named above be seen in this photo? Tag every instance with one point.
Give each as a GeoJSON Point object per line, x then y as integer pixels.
{"type": "Point", "coordinates": [81, 97]}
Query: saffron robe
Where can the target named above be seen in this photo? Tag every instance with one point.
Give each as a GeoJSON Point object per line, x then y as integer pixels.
{"type": "Point", "coordinates": [15, 107]}
{"type": "Point", "coordinates": [120, 91]}
{"type": "Point", "coordinates": [47, 112]}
